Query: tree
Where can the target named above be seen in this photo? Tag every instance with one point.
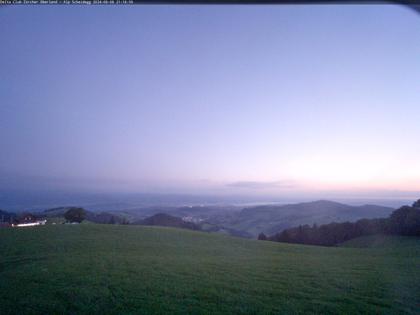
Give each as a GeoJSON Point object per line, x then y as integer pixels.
{"type": "Point", "coordinates": [405, 221]}
{"type": "Point", "coordinates": [75, 215]}
{"type": "Point", "coordinates": [416, 204]}
{"type": "Point", "coordinates": [125, 221]}
{"type": "Point", "coordinates": [262, 237]}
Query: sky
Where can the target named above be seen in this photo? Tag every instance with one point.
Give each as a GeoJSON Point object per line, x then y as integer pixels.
{"type": "Point", "coordinates": [265, 100]}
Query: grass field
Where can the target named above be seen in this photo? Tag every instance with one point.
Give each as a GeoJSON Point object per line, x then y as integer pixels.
{"type": "Point", "coordinates": [106, 269]}
{"type": "Point", "coordinates": [386, 242]}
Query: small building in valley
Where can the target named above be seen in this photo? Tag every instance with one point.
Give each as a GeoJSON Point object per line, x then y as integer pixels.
{"type": "Point", "coordinates": [28, 219]}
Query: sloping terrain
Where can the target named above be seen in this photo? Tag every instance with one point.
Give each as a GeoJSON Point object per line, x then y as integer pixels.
{"type": "Point", "coordinates": [271, 219]}
{"type": "Point", "coordinates": [163, 219]}
{"type": "Point", "coordinates": [385, 241]}
{"type": "Point", "coordinates": [117, 269]}
{"type": "Point", "coordinates": [56, 215]}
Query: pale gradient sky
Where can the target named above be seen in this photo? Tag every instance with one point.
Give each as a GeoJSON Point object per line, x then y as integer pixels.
{"type": "Point", "coordinates": [217, 99]}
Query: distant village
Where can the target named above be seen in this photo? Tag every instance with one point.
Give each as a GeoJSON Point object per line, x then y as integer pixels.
{"type": "Point", "coordinates": [61, 215]}
{"type": "Point", "coordinates": [23, 220]}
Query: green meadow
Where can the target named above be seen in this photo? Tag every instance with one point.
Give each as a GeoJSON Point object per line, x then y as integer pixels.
{"type": "Point", "coordinates": [117, 269]}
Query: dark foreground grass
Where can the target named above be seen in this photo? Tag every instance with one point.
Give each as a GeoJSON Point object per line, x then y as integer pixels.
{"type": "Point", "coordinates": [105, 269]}
{"type": "Point", "coordinates": [386, 242]}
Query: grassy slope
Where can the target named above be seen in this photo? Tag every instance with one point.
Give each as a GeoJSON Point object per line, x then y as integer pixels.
{"type": "Point", "coordinates": [385, 242]}
{"type": "Point", "coordinates": [104, 269]}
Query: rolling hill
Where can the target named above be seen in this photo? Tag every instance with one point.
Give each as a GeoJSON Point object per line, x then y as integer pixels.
{"type": "Point", "coordinates": [120, 269]}
{"type": "Point", "coordinates": [271, 219]}
{"type": "Point", "coordinates": [163, 219]}
{"type": "Point", "coordinates": [57, 215]}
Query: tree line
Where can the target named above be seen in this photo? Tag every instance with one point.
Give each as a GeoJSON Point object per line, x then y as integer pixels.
{"type": "Point", "coordinates": [403, 221]}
